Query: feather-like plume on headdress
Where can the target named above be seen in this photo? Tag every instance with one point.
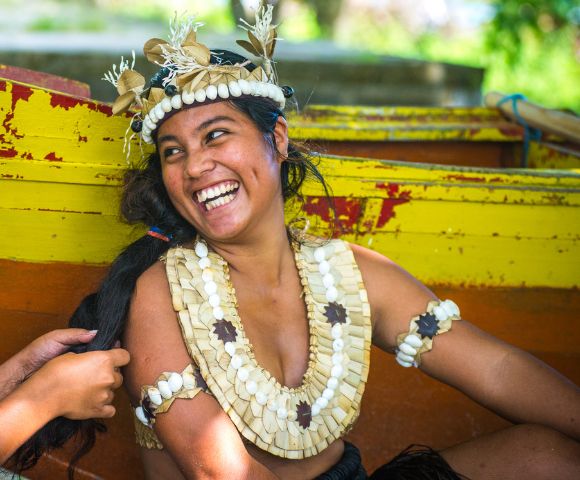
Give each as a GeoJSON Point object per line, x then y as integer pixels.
{"type": "Point", "coordinates": [262, 38]}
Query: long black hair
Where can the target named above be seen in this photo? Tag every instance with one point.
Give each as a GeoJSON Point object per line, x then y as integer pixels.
{"type": "Point", "coordinates": [145, 201]}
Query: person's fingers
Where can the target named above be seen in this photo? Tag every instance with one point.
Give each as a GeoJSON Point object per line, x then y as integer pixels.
{"type": "Point", "coordinates": [119, 356]}
{"type": "Point", "coordinates": [107, 411]}
{"type": "Point", "coordinates": [72, 336]}
{"type": "Point", "coordinates": [118, 380]}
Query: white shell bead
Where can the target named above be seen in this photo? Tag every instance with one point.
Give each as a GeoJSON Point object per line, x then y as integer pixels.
{"type": "Point", "coordinates": [413, 340]}
{"type": "Point", "coordinates": [218, 313]}
{"type": "Point", "coordinates": [451, 307]}
{"type": "Point", "coordinates": [408, 349]}
{"type": "Point", "coordinates": [244, 86]}
{"type": "Point", "coordinates": [200, 96]}
{"type": "Point", "coordinates": [223, 90]}
{"type": "Point", "coordinates": [321, 402]}
{"type": "Point", "coordinates": [332, 383]}
{"type": "Point", "coordinates": [166, 104]}
{"type": "Point", "coordinates": [282, 413]}
{"type": "Point", "coordinates": [176, 102]}
{"type": "Point", "coordinates": [207, 275]}
{"type": "Point", "coordinates": [230, 348]}
{"type": "Point", "coordinates": [337, 358]}
{"type": "Point", "coordinates": [204, 262]}
{"type": "Point", "coordinates": [271, 91]}
{"type": "Point", "coordinates": [201, 249]}
{"type": "Point", "coordinates": [188, 380]}
{"type": "Point", "coordinates": [175, 382]}
{"type": "Point", "coordinates": [210, 287]}
{"type": "Point", "coordinates": [154, 396]}
{"type": "Point", "coordinates": [211, 92]}
{"type": "Point", "coordinates": [319, 254]}
{"type": "Point", "coordinates": [149, 123]}
{"type": "Point", "coordinates": [214, 300]}
{"type": "Point", "coordinates": [315, 410]}
{"type": "Point", "coordinates": [237, 362]}
{"type": "Point", "coordinates": [328, 280]}
{"type": "Point", "coordinates": [336, 371]}
{"type": "Point", "coordinates": [251, 387]}
{"type": "Point", "coordinates": [338, 345]}
{"type": "Point", "coordinates": [331, 294]}
{"type": "Point", "coordinates": [440, 313]}
{"type": "Point", "coordinates": [403, 363]}
{"type": "Point", "coordinates": [243, 374]}
{"type": "Point", "coordinates": [141, 415]}
{"type": "Point", "coordinates": [405, 357]}
{"type": "Point", "coordinates": [328, 393]}
{"type": "Point", "coordinates": [153, 116]}
{"type": "Point", "coordinates": [164, 389]}
{"type": "Point", "coordinates": [235, 89]}
{"type": "Point", "coordinates": [188, 97]}
{"type": "Point", "coordinates": [261, 398]}
{"type": "Point", "coordinates": [292, 415]}
{"type": "Point", "coordinates": [272, 405]}
{"type": "Point", "coordinates": [252, 88]}
{"type": "Point", "coordinates": [324, 267]}
{"type": "Point", "coordinates": [336, 331]}
{"type": "Point", "coordinates": [159, 111]}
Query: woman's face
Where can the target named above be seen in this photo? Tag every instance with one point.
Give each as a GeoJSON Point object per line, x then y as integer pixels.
{"type": "Point", "coordinates": [219, 171]}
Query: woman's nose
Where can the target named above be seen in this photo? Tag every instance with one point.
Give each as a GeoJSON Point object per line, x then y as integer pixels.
{"type": "Point", "coordinates": [198, 164]}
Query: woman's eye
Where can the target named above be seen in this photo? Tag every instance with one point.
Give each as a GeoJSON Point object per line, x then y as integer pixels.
{"type": "Point", "coordinates": [215, 134]}
{"type": "Point", "coordinates": [168, 152]}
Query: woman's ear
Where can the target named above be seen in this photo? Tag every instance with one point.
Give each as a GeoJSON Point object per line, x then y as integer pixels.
{"type": "Point", "coordinates": [281, 138]}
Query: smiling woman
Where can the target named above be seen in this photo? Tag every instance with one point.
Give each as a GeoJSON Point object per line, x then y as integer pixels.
{"type": "Point", "coordinates": [250, 342]}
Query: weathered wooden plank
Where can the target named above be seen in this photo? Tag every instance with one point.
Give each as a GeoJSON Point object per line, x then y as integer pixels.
{"type": "Point", "coordinates": [45, 80]}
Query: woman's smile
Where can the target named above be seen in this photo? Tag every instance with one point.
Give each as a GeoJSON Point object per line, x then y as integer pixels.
{"type": "Point", "coordinates": [217, 195]}
{"type": "Point", "coordinates": [222, 173]}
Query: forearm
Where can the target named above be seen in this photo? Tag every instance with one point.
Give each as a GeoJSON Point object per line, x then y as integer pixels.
{"type": "Point", "coordinates": [527, 390]}
{"type": "Point", "coordinates": [20, 417]}
{"type": "Point", "coordinates": [12, 373]}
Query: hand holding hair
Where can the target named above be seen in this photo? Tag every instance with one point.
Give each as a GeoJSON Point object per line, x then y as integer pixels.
{"type": "Point", "coordinates": [76, 386]}
{"type": "Point", "coordinates": [46, 347]}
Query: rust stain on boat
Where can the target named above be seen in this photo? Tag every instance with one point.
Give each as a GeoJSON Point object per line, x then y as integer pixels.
{"type": "Point", "coordinates": [395, 198]}
{"type": "Point", "coordinates": [348, 211]}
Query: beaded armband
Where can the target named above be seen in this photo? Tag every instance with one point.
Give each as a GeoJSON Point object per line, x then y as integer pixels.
{"type": "Point", "coordinates": [435, 321]}
{"type": "Point", "coordinates": [169, 386]}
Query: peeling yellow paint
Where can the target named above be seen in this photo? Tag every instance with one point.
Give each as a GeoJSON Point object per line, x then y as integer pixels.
{"type": "Point", "coordinates": [447, 225]}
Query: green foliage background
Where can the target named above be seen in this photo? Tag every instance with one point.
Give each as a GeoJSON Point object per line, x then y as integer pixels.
{"type": "Point", "coordinates": [527, 46]}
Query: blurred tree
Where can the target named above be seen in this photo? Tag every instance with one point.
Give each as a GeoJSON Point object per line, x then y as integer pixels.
{"type": "Point", "coordinates": [516, 20]}
{"type": "Point", "coordinates": [326, 14]}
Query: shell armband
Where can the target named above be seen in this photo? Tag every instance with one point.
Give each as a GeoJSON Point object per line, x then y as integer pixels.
{"type": "Point", "coordinates": [169, 386]}
{"type": "Point", "coordinates": [419, 339]}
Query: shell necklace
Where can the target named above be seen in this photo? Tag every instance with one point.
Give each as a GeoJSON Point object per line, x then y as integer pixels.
{"type": "Point", "coordinates": [280, 400]}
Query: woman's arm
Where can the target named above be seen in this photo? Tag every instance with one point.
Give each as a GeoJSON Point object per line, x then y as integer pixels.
{"type": "Point", "coordinates": [197, 433]}
{"type": "Point", "coordinates": [74, 386]}
{"type": "Point", "coordinates": [505, 379]}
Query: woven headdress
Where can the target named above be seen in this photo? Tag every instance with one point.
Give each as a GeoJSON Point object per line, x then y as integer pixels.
{"type": "Point", "coordinates": [190, 73]}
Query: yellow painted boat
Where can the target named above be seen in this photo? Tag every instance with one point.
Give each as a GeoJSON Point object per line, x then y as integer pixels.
{"type": "Point", "coordinates": [503, 242]}
{"type": "Point", "coordinates": [469, 136]}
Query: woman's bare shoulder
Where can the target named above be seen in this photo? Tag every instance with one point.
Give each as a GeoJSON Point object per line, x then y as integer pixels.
{"type": "Point", "coordinates": [394, 295]}
{"type": "Point", "coordinates": [153, 335]}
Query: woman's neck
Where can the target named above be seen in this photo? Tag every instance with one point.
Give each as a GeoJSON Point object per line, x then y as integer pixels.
{"type": "Point", "coordinates": [263, 260]}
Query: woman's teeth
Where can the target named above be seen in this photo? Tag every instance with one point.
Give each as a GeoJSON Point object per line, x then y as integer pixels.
{"type": "Point", "coordinates": [218, 195]}
{"type": "Point", "coordinates": [218, 202]}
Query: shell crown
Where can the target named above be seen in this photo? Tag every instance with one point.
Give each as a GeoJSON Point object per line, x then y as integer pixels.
{"type": "Point", "coordinates": [192, 73]}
